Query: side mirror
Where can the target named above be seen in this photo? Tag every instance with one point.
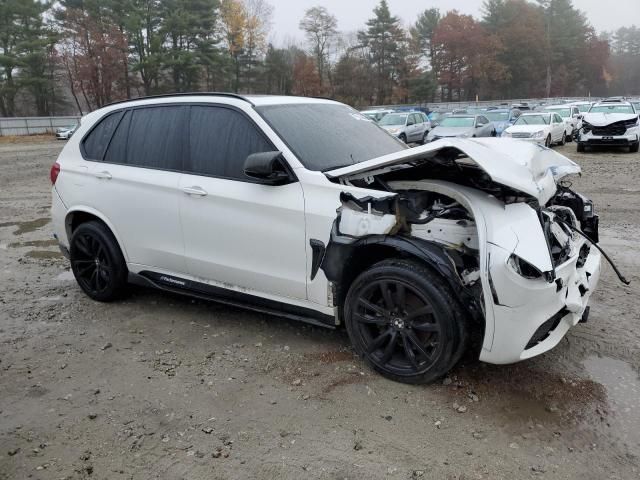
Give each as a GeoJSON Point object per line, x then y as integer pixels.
{"type": "Point", "coordinates": [268, 167]}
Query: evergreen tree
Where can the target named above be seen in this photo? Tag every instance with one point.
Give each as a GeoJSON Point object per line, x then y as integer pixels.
{"type": "Point", "coordinates": [383, 38]}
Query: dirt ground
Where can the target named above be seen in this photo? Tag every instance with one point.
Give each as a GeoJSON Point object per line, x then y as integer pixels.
{"type": "Point", "coordinates": [161, 386]}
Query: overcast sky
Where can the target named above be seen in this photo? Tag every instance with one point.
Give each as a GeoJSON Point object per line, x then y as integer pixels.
{"type": "Point", "coordinates": [352, 14]}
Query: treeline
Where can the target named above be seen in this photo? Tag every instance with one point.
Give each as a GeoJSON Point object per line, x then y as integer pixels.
{"type": "Point", "coordinates": [78, 55]}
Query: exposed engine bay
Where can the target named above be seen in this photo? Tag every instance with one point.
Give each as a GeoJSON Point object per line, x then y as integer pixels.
{"type": "Point", "coordinates": [497, 220]}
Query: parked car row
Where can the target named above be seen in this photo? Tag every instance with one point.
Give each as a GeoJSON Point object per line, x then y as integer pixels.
{"type": "Point", "coordinates": [611, 122]}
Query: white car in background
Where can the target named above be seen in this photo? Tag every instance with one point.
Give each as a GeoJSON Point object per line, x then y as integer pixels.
{"type": "Point", "coordinates": [376, 115]}
{"type": "Point", "coordinates": [610, 123]}
{"type": "Point", "coordinates": [300, 208]}
{"type": "Point", "coordinates": [409, 127]}
{"type": "Point", "coordinates": [546, 128]}
{"type": "Point", "coordinates": [64, 133]}
{"type": "Point", "coordinates": [571, 116]}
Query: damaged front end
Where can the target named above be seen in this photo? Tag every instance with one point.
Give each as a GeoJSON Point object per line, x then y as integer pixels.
{"type": "Point", "coordinates": [520, 260]}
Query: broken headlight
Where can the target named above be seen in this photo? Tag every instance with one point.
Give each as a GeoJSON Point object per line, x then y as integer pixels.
{"type": "Point", "coordinates": [524, 268]}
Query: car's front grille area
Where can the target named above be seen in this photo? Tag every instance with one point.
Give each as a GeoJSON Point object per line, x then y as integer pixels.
{"type": "Point", "coordinates": [543, 332]}
{"type": "Point", "coordinates": [615, 129]}
{"type": "Point", "coordinates": [521, 135]}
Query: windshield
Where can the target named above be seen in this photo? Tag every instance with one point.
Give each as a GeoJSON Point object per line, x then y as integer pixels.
{"type": "Point", "coordinates": [497, 116]}
{"type": "Point", "coordinates": [328, 136]}
{"type": "Point", "coordinates": [612, 109]}
{"type": "Point", "coordinates": [371, 116]}
{"type": "Point", "coordinates": [457, 122]}
{"type": "Point", "coordinates": [394, 119]}
{"type": "Point", "coordinates": [533, 120]}
{"type": "Point", "coordinates": [563, 112]}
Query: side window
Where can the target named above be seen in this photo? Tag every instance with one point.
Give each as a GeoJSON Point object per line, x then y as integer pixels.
{"type": "Point", "coordinates": [96, 142]}
{"type": "Point", "coordinates": [117, 151]}
{"type": "Point", "coordinates": [557, 118]}
{"type": "Point", "coordinates": [154, 138]}
{"type": "Point", "coordinates": [220, 140]}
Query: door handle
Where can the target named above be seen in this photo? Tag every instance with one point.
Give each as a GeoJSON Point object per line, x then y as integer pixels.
{"type": "Point", "coordinates": [106, 175]}
{"type": "Point", "coordinates": [195, 190]}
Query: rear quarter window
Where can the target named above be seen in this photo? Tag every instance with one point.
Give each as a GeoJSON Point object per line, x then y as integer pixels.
{"type": "Point", "coordinates": [96, 142]}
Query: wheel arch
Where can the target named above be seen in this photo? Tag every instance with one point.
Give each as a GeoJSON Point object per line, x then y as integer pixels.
{"type": "Point", "coordinates": [345, 260]}
{"type": "Point", "coordinates": [83, 214]}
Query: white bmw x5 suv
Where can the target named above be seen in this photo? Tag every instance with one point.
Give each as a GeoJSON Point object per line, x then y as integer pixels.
{"type": "Point", "coordinates": [306, 209]}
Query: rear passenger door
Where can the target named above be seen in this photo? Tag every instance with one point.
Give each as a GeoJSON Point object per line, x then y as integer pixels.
{"type": "Point", "coordinates": [239, 233]}
{"type": "Point", "coordinates": [133, 181]}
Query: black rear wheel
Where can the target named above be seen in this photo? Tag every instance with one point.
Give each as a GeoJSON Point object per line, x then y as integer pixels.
{"type": "Point", "coordinates": [405, 322]}
{"type": "Point", "coordinates": [97, 262]}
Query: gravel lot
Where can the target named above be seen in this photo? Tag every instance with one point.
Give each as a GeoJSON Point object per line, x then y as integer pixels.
{"type": "Point", "coordinates": [161, 386]}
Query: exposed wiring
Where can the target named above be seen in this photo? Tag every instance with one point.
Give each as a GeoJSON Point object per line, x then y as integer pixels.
{"type": "Point", "coordinates": [615, 269]}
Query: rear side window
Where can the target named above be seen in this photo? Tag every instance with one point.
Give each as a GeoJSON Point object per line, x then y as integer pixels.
{"type": "Point", "coordinates": [97, 141]}
{"type": "Point", "coordinates": [155, 137]}
{"type": "Point", "coordinates": [117, 151]}
{"type": "Point", "coordinates": [220, 140]}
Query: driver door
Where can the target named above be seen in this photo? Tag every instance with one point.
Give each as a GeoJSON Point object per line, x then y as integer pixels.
{"type": "Point", "coordinates": [238, 233]}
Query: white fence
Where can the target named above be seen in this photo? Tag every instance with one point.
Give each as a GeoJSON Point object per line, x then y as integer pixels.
{"type": "Point", "coordinates": [33, 125]}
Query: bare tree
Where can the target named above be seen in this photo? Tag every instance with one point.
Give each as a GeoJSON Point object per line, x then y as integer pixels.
{"type": "Point", "coordinates": [320, 28]}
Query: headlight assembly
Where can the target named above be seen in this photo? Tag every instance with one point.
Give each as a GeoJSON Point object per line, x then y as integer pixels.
{"type": "Point", "coordinates": [524, 268]}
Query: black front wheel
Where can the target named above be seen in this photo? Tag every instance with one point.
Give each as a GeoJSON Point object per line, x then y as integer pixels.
{"type": "Point", "coordinates": [97, 262]}
{"type": "Point", "coordinates": [403, 138]}
{"type": "Point", "coordinates": [634, 147]}
{"type": "Point", "coordinates": [405, 322]}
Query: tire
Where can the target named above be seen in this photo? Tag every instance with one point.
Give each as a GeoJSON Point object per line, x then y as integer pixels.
{"type": "Point", "coordinates": [97, 262]}
{"type": "Point", "coordinates": [403, 138]}
{"type": "Point", "coordinates": [563, 141]}
{"type": "Point", "coordinates": [405, 322]}
{"type": "Point", "coordinates": [634, 148]}
{"type": "Point", "coordinates": [580, 147]}
{"type": "Point", "coordinates": [547, 142]}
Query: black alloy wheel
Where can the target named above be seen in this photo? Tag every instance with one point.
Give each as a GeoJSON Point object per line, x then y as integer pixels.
{"type": "Point", "coordinates": [404, 322]}
{"type": "Point", "coordinates": [96, 261]}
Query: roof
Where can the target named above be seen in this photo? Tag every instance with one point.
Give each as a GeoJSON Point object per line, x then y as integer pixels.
{"type": "Point", "coordinates": [255, 100]}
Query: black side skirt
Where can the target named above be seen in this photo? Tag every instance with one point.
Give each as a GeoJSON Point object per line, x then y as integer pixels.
{"type": "Point", "coordinates": [203, 291]}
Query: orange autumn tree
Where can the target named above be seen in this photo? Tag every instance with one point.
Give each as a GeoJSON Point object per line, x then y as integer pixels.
{"type": "Point", "coordinates": [465, 56]}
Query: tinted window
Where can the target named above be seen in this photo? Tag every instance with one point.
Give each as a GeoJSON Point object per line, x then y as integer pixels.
{"type": "Point", "coordinates": [155, 137]}
{"type": "Point", "coordinates": [117, 151]}
{"type": "Point", "coordinates": [220, 140]}
{"type": "Point", "coordinates": [327, 136]}
{"type": "Point", "coordinates": [96, 142]}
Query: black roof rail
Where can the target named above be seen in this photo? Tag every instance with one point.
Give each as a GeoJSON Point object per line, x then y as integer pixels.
{"type": "Point", "coordinates": [185, 94]}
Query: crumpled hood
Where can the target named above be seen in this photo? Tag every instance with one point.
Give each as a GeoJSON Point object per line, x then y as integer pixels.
{"type": "Point", "coordinates": [604, 119]}
{"type": "Point", "coordinates": [526, 167]}
{"type": "Point", "coordinates": [450, 131]}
